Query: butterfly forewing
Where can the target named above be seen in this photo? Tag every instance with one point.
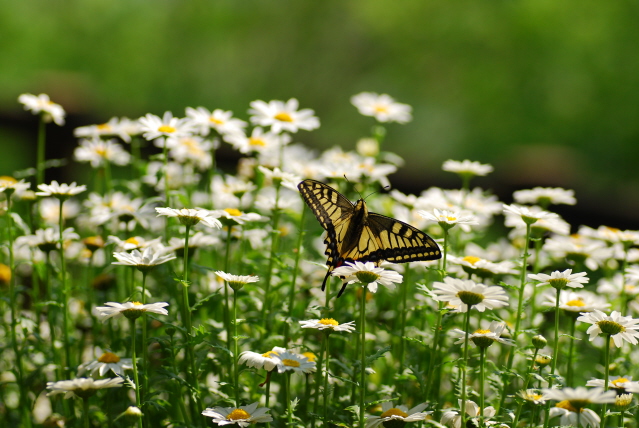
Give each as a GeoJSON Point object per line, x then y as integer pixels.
{"type": "Point", "coordinates": [354, 234]}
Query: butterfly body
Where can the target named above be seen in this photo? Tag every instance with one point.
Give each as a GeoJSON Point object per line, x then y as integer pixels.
{"type": "Point", "coordinates": [355, 234]}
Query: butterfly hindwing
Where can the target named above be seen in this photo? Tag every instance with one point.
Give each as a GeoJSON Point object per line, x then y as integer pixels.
{"type": "Point", "coordinates": [354, 234]}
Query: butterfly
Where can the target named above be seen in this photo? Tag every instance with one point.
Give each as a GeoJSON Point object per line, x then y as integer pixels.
{"type": "Point", "coordinates": [355, 234]}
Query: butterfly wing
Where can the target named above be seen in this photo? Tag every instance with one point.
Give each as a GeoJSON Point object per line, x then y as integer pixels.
{"type": "Point", "coordinates": [334, 212]}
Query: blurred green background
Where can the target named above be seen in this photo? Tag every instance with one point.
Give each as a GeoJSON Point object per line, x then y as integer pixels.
{"type": "Point", "coordinates": [544, 90]}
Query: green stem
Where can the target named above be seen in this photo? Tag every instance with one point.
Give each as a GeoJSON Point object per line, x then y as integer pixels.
{"type": "Point", "coordinates": [526, 383]}
{"type": "Point", "coordinates": [41, 150]}
{"type": "Point", "coordinates": [65, 296]}
{"type": "Point", "coordinates": [138, 401]}
{"type": "Point", "coordinates": [482, 376]}
{"type": "Point", "coordinates": [402, 328]}
{"type": "Point", "coordinates": [85, 412]}
{"type": "Point", "coordinates": [289, 412]}
{"type": "Point", "coordinates": [236, 369]}
{"type": "Point", "coordinates": [293, 290]}
{"type": "Point", "coordinates": [362, 367]}
{"type": "Point", "coordinates": [275, 233]}
{"type": "Point", "coordinates": [325, 391]}
{"type": "Point", "coordinates": [555, 354]}
{"type": "Point", "coordinates": [522, 286]}
{"type": "Point", "coordinates": [571, 352]}
{"type": "Point", "coordinates": [145, 351]}
{"type": "Point", "coordinates": [227, 303]}
{"type": "Point", "coordinates": [318, 377]}
{"type": "Point", "coordinates": [464, 365]}
{"type": "Point", "coordinates": [606, 377]}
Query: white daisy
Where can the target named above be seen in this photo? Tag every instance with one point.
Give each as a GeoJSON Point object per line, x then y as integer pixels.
{"type": "Point", "coordinates": [220, 120]}
{"type": "Point", "coordinates": [329, 324]}
{"type": "Point", "coordinates": [107, 361]}
{"type": "Point", "coordinates": [154, 127]}
{"type": "Point", "coordinates": [532, 395]}
{"type": "Point", "coordinates": [453, 419]}
{"type": "Point", "coordinates": [197, 240]}
{"type": "Point", "coordinates": [527, 214]}
{"type": "Point", "coordinates": [129, 309]}
{"type": "Point", "coordinates": [98, 152]}
{"type": "Point", "coordinates": [133, 243]}
{"type": "Point", "coordinates": [585, 250]}
{"type": "Point", "coordinates": [483, 268]}
{"type": "Point", "coordinates": [190, 217]}
{"type": "Point", "coordinates": [483, 338]}
{"type": "Point", "coordinates": [283, 116]}
{"type": "Point", "coordinates": [60, 190]}
{"type": "Point", "coordinates": [43, 104]}
{"type": "Point", "coordinates": [461, 294]}
{"type": "Point", "coordinates": [467, 167]}
{"type": "Point", "coordinates": [382, 107]}
{"type": "Point", "coordinates": [123, 127]}
{"type": "Point", "coordinates": [368, 273]}
{"type": "Point", "coordinates": [10, 185]}
{"type": "Point", "coordinates": [242, 416]}
{"type": "Point", "coordinates": [193, 150]}
{"type": "Point", "coordinates": [296, 363]}
{"type": "Point", "coordinates": [560, 280]}
{"type": "Point", "coordinates": [237, 281]}
{"type": "Point", "coordinates": [554, 224]}
{"type": "Point", "coordinates": [580, 397]}
{"type": "Point", "coordinates": [569, 415]}
{"type": "Point", "coordinates": [150, 257]}
{"type": "Point", "coordinates": [621, 384]}
{"type": "Point", "coordinates": [576, 301]}
{"type": "Point", "coordinates": [82, 387]}
{"type": "Point", "coordinates": [620, 328]}
{"type": "Point", "coordinates": [267, 360]}
{"type": "Point", "coordinates": [544, 196]}
{"type": "Point", "coordinates": [236, 216]}
{"type": "Point", "coordinates": [401, 414]}
{"type": "Point", "coordinates": [448, 219]}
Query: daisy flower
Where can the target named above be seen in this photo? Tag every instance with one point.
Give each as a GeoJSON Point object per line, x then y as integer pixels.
{"type": "Point", "coordinates": [369, 274]}
{"type": "Point", "coordinates": [448, 219]}
{"type": "Point", "coordinates": [453, 418]}
{"type": "Point", "coordinates": [618, 327]}
{"type": "Point", "coordinates": [120, 127]}
{"type": "Point", "coordinates": [483, 338]}
{"type": "Point", "coordinates": [145, 260]}
{"type": "Point", "coordinates": [289, 361]}
{"type": "Point", "coordinates": [283, 116]}
{"type": "Point", "coordinates": [483, 268]}
{"type": "Point", "coordinates": [545, 196]}
{"type": "Point", "coordinates": [129, 309]}
{"type": "Point", "coordinates": [621, 384]}
{"type": "Point", "coordinates": [329, 324]}
{"type": "Point", "coordinates": [580, 397]}
{"type": "Point", "coordinates": [192, 149]}
{"type": "Point", "coordinates": [560, 280]}
{"type": "Point", "coordinates": [527, 214]}
{"type": "Point", "coordinates": [382, 107]}
{"type": "Point", "coordinates": [242, 416]}
{"type": "Point", "coordinates": [236, 282]}
{"type": "Point", "coordinates": [190, 217]}
{"type": "Point", "coordinates": [579, 248]}
{"type": "Point", "coordinates": [554, 224]}
{"type": "Point", "coordinates": [82, 387]}
{"type": "Point", "coordinates": [267, 360]}
{"type": "Point", "coordinates": [569, 416]}
{"type": "Point", "coordinates": [197, 240]}
{"type": "Point", "coordinates": [576, 302]}
{"type": "Point", "coordinates": [618, 285]}
{"type": "Point", "coordinates": [220, 120]}
{"type": "Point", "coordinates": [401, 414]}
{"type": "Point", "coordinates": [463, 294]}
{"type": "Point", "coordinates": [99, 152]}
{"type": "Point", "coordinates": [467, 168]}
{"type": "Point", "coordinates": [107, 361]}
{"type": "Point", "coordinates": [133, 243]}
{"type": "Point", "coordinates": [10, 185]}
{"type": "Point", "coordinates": [532, 395]}
{"type": "Point", "coordinates": [236, 216]}
{"type": "Point", "coordinates": [154, 127]}
{"type": "Point", "coordinates": [43, 104]}
{"type": "Point", "coordinates": [60, 191]}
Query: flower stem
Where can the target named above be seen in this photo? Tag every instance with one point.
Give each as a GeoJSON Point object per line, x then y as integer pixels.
{"type": "Point", "coordinates": [482, 376]}
{"type": "Point", "coordinates": [362, 367]}
{"type": "Point", "coordinates": [65, 295]}
{"type": "Point", "coordinates": [526, 383]}
{"type": "Point", "coordinates": [227, 304]}
{"type": "Point", "coordinates": [41, 150]}
{"type": "Point", "coordinates": [402, 328]}
{"type": "Point", "coordinates": [318, 377]}
{"type": "Point", "coordinates": [325, 391]}
{"type": "Point", "coordinates": [464, 365]}
{"type": "Point", "coordinates": [289, 409]}
{"type": "Point", "coordinates": [571, 351]}
{"type": "Point", "coordinates": [275, 233]}
{"type": "Point", "coordinates": [145, 350]}
{"type": "Point", "coordinates": [522, 286]}
{"type": "Point", "coordinates": [138, 401]}
{"type": "Point", "coordinates": [85, 412]}
{"type": "Point", "coordinates": [293, 289]}
{"type": "Point", "coordinates": [236, 369]}
{"type": "Point", "coordinates": [555, 354]}
{"type": "Point", "coordinates": [606, 376]}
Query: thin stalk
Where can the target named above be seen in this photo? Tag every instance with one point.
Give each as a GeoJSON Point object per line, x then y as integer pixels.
{"type": "Point", "coordinates": [227, 303]}
{"type": "Point", "coordinates": [41, 150]}
{"type": "Point", "coordinates": [266, 309]}
{"type": "Point", "coordinates": [464, 366]}
{"type": "Point", "coordinates": [138, 401]}
{"type": "Point", "coordinates": [145, 349]}
{"type": "Point", "coordinates": [65, 296]}
{"type": "Point", "coordinates": [318, 377]}
{"type": "Point", "coordinates": [526, 383]}
{"type": "Point", "coordinates": [85, 412]}
{"type": "Point", "coordinates": [553, 364]}
{"type": "Point", "coordinates": [236, 372]}
{"type": "Point", "coordinates": [362, 367]}
{"type": "Point", "coordinates": [482, 376]}
{"type": "Point", "coordinates": [522, 286]}
{"type": "Point", "coordinates": [571, 352]}
{"type": "Point", "coordinates": [325, 391]}
{"type": "Point", "coordinates": [268, 394]}
{"type": "Point", "coordinates": [289, 412]}
{"type": "Point", "coordinates": [293, 289]}
{"type": "Point", "coordinates": [402, 328]}
{"type": "Point", "coordinates": [606, 377]}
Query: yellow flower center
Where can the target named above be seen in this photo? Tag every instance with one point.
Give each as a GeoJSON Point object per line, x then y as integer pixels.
{"type": "Point", "coordinates": [616, 383]}
{"type": "Point", "coordinates": [233, 211]}
{"type": "Point", "coordinates": [269, 354]}
{"type": "Point", "coordinates": [109, 357]}
{"type": "Point", "coordinates": [536, 397]}
{"type": "Point", "coordinates": [133, 240]}
{"type": "Point", "coordinates": [5, 180]}
{"type": "Point", "coordinates": [311, 357]}
{"type": "Point", "coordinates": [379, 108]}
{"type": "Point", "coordinates": [393, 412]}
{"type": "Point", "coordinates": [216, 121]}
{"type": "Point", "coordinates": [610, 327]}
{"type": "Point", "coordinates": [566, 405]}
{"type": "Point", "coordinates": [101, 151]}
{"type": "Point", "coordinates": [137, 303]}
{"type": "Point", "coordinates": [329, 321]}
{"type": "Point", "coordinates": [471, 259]}
{"type": "Point", "coordinates": [237, 414]}
{"type": "Point", "coordinates": [283, 117]}
{"type": "Point", "coordinates": [630, 288]}
{"type": "Point", "coordinates": [543, 360]}
{"type": "Point", "coordinates": [167, 129]}
{"type": "Point", "coordinates": [612, 229]}
{"type": "Point", "coordinates": [480, 331]}
{"type": "Point", "coordinates": [256, 142]}
{"type": "Point", "coordinates": [449, 218]}
{"type": "Point", "coordinates": [576, 302]}
{"type": "Point", "coordinates": [5, 274]}
{"type": "Point", "coordinates": [104, 127]}
{"type": "Point", "coordinates": [290, 363]}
